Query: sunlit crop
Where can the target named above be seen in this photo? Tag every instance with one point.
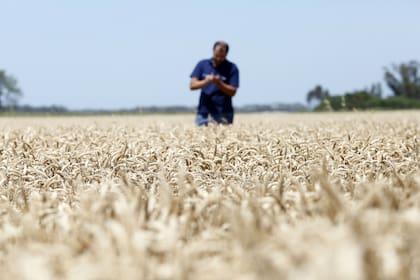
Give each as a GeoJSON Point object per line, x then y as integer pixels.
{"type": "Point", "coordinates": [275, 196]}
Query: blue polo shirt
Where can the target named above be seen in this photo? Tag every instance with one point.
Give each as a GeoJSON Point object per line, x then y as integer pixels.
{"type": "Point", "coordinates": [212, 99]}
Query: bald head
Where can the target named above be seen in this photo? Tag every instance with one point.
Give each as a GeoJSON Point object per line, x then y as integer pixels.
{"type": "Point", "coordinates": [221, 45]}
{"type": "Point", "coordinates": [220, 50]}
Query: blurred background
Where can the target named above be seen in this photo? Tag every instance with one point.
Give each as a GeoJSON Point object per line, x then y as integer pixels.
{"type": "Point", "coordinates": [134, 55]}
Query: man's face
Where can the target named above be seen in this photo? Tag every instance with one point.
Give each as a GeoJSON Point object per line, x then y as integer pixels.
{"type": "Point", "coordinates": [219, 55]}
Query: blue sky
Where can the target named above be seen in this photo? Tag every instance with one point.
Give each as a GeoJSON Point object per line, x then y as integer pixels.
{"type": "Point", "coordinates": [121, 54]}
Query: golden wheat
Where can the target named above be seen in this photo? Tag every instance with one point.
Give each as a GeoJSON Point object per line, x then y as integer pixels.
{"type": "Point", "coordinates": [275, 196]}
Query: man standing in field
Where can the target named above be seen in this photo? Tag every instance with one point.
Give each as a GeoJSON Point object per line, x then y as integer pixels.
{"type": "Point", "coordinates": [218, 80]}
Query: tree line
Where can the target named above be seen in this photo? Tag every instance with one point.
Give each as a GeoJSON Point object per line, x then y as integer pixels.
{"type": "Point", "coordinates": [10, 93]}
{"type": "Point", "coordinates": [402, 79]}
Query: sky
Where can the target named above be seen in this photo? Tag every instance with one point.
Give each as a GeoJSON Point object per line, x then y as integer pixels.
{"type": "Point", "coordinates": [109, 54]}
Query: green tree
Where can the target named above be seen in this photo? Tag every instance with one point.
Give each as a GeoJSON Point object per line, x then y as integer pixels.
{"type": "Point", "coordinates": [404, 79]}
{"type": "Point", "coordinates": [9, 90]}
{"type": "Point", "coordinates": [369, 97]}
{"type": "Point", "coordinates": [375, 90]}
{"type": "Point", "coordinates": [318, 93]}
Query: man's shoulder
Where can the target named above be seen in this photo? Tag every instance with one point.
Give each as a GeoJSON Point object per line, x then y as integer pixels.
{"type": "Point", "coordinates": [204, 61]}
{"type": "Point", "coordinates": [231, 65]}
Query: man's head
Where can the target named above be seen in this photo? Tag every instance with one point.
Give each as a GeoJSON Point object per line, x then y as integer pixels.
{"type": "Point", "coordinates": [220, 50]}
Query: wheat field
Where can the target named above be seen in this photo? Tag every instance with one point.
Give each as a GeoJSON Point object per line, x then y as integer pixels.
{"type": "Point", "coordinates": [275, 196]}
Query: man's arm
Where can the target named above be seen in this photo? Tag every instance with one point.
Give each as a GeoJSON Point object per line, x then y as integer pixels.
{"type": "Point", "coordinates": [225, 88]}
{"type": "Point", "coordinates": [195, 83]}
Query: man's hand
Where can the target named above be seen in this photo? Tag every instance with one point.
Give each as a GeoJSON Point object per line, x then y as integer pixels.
{"type": "Point", "coordinates": [217, 80]}
{"type": "Point", "coordinates": [209, 78]}
{"type": "Point", "coordinates": [225, 88]}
